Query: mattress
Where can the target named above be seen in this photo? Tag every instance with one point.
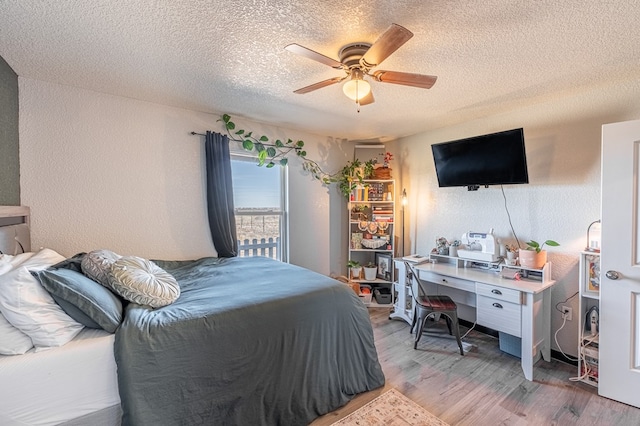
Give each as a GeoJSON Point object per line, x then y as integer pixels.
{"type": "Point", "coordinates": [60, 384]}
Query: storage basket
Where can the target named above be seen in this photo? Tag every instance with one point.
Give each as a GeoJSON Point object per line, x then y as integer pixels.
{"type": "Point", "coordinates": [382, 173]}
{"type": "Point", "coordinates": [382, 295]}
{"type": "Point", "coordinates": [510, 344]}
{"type": "Point", "coordinates": [365, 297]}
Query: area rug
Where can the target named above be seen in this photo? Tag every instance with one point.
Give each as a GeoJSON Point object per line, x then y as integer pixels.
{"type": "Point", "coordinates": [391, 409]}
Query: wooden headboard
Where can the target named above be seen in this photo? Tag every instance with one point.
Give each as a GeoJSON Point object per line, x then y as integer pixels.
{"type": "Point", "coordinates": [15, 236]}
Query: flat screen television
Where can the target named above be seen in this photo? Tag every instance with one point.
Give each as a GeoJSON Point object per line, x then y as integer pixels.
{"type": "Point", "coordinates": [493, 159]}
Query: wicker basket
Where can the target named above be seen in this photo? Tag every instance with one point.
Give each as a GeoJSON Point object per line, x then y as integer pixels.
{"type": "Point", "coordinates": [382, 173]}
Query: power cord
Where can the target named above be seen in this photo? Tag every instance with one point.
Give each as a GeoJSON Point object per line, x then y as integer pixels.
{"type": "Point", "coordinates": [469, 330]}
{"type": "Point", "coordinates": [509, 216]}
{"type": "Point", "coordinates": [564, 322]}
{"type": "Point", "coordinates": [555, 337]}
{"type": "Point", "coordinates": [586, 367]}
{"type": "Point", "coordinates": [565, 301]}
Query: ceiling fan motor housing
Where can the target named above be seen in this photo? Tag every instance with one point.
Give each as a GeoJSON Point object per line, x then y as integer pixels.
{"type": "Point", "coordinates": [351, 53]}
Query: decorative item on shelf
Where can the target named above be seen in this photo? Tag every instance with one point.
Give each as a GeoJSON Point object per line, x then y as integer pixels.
{"type": "Point", "coordinates": [374, 243]}
{"type": "Point", "coordinates": [512, 258]}
{"type": "Point", "coordinates": [442, 246]}
{"type": "Point", "coordinates": [359, 216]}
{"type": "Point", "coordinates": [593, 236]}
{"type": "Point", "coordinates": [384, 172]}
{"type": "Point", "coordinates": [358, 212]}
{"type": "Point", "coordinates": [363, 225]}
{"type": "Point", "coordinates": [453, 248]}
{"type": "Point", "coordinates": [534, 256]}
{"type": "Point", "coordinates": [384, 266]}
{"type": "Point", "coordinates": [370, 270]}
{"type": "Point", "coordinates": [592, 264]}
{"type": "Point", "coordinates": [382, 226]}
{"type": "Point", "coordinates": [372, 227]}
{"type": "Point", "coordinates": [356, 240]}
{"type": "Point", "coordinates": [354, 269]}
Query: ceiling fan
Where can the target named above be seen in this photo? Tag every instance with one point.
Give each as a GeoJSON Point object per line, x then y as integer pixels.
{"type": "Point", "coordinates": [357, 61]}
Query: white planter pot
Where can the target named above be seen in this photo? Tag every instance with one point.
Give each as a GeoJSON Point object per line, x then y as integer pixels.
{"type": "Point", "coordinates": [355, 272]}
{"type": "Point", "coordinates": [370, 273]}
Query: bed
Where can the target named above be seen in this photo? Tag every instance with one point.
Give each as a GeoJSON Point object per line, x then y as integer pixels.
{"type": "Point", "coordinates": [248, 341]}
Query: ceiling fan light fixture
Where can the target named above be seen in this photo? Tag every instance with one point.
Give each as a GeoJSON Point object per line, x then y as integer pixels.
{"type": "Point", "coordinates": [356, 87]}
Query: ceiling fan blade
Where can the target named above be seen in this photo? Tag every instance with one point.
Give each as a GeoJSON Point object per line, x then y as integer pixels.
{"type": "Point", "coordinates": [367, 99]}
{"type": "Point", "coordinates": [405, 78]}
{"type": "Point", "coordinates": [385, 45]}
{"type": "Point", "coordinates": [319, 85]}
{"type": "Point", "coordinates": [312, 54]}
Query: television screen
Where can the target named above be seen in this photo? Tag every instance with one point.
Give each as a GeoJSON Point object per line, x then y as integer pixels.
{"type": "Point", "coordinates": [494, 159]}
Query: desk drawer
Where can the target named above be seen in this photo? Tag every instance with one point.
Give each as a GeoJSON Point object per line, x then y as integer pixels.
{"type": "Point", "coordinates": [432, 277]}
{"type": "Point", "coordinates": [500, 293]}
{"type": "Point", "coordinates": [499, 315]}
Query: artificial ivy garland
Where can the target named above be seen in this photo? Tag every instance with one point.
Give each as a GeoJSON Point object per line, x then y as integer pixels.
{"type": "Point", "coordinates": [271, 153]}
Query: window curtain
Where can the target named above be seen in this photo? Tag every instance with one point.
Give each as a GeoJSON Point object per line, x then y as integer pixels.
{"type": "Point", "coordinates": [222, 221]}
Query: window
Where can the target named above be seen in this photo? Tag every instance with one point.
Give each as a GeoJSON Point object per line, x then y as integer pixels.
{"type": "Point", "coordinates": [260, 199]}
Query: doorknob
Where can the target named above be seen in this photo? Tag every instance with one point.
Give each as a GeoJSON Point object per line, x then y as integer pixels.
{"type": "Point", "coordinates": [613, 275]}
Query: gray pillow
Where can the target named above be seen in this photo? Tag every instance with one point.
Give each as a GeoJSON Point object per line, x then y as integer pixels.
{"type": "Point", "coordinates": [143, 282]}
{"type": "Point", "coordinates": [81, 298]}
{"type": "Point", "coordinates": [97, 263]}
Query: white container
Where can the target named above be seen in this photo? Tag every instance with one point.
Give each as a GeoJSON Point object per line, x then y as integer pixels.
{"type": "Point", "coordinates": [370, 273]}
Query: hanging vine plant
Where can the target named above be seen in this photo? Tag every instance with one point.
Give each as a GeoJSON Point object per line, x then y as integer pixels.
{"type": "Point", "coordinates": [270, 153]}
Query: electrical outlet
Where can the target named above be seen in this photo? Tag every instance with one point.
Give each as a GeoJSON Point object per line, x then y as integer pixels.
{"type": "Point", "coordinates": [567, 313]}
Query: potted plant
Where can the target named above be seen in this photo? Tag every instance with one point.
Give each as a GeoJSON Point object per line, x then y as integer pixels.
{"type": "Point", "coordinates": [354, 269]}
{"type": "Point", "coordinates": [533, 256]}
{"type": "Point", "coordinates": [512, 253]}
{"type": "Point", "coordinates": [370, 270]}
{"type": "Point", "coordinates": [352, 175]}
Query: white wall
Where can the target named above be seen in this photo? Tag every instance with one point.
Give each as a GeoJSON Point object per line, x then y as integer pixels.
{"type": "Point", "coordinates": [562, 139]}
{"type": "Point", "coordinates": [102, 171]}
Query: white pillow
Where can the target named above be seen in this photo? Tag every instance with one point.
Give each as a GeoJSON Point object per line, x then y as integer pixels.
{"type": "Point", "coordinates": [12, 340]}
{"type": "Point", "coordinates": [8, 262]}
{"type": "Point", "coordinates": [143, 282]}
{"type": "Point", "coordinates": [30, 308]}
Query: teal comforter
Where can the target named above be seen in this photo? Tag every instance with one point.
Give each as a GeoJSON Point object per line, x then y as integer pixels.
{"type": "Point", "coordinates": [250, 341]}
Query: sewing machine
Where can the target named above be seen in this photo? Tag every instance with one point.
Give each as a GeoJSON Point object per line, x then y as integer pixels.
{"type": "Point", "coordinates": [479, 246]}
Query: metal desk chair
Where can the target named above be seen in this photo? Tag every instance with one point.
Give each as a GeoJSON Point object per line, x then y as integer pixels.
{"type": "Point", "coordinates": [428, 305]}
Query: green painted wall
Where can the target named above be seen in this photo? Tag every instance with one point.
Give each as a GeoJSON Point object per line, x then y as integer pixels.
{"type": "Point", "coordinates": [9, 149]}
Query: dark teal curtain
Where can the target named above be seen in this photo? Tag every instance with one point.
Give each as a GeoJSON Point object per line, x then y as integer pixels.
{"type": "Point", "coordinates": [222, 221]}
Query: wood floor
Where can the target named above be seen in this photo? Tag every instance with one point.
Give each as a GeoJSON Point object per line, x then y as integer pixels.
{"type": "Point", "coordinates": [485, 386]}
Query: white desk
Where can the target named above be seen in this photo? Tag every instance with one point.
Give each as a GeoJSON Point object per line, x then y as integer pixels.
{"type": "Point", "coordinates": [521, 308]}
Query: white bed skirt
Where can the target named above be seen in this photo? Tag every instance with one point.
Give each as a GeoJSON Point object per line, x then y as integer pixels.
{"type": "Point", "coordinates": [59, 385]}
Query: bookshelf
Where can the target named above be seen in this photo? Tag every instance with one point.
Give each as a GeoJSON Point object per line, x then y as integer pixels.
{"type": "Point", "coordinates": [588, 340]}
{"type": "Point", "coordinates": [371, 237]}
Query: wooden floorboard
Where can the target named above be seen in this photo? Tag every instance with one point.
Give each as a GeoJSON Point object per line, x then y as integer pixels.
{"type": "Point", "coordinates": [485, 386]}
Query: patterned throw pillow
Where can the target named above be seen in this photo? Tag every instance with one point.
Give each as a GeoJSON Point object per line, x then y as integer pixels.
{"type": "Point", "coordinates": [97, 264]}
{"type": "Point", "coordinates": [143, 282]}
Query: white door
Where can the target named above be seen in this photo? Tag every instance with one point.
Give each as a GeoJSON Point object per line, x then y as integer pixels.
{"type": "Point", "coordinates": [619, 367]}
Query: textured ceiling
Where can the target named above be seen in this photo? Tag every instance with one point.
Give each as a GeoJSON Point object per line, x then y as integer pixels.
{"type": "Point", "coordinates": [213, 56]}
